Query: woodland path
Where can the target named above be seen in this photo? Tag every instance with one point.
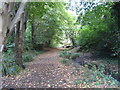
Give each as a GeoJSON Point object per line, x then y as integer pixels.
{"type": "Point", "coordinates": [46, 71]}
{"type": "Point", "coordinates": [43, 72]}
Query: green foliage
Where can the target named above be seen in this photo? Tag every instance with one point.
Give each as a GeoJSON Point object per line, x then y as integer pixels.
{"type": "Point", "coordinates": [28, 55]}
{"type": "Point", "coordinates": [88, 38]}
{"type": "Point", "coordinates": [28, 38]}
{"type": "Point", "coordinates": [27, 58]}
{"type": "Point", "coordinates": [108, 60]}
{"type": "Point", "coordinates": [64, 54]}
{"type": "Point", "coordinates": [68, 55]}
{"type": "Point", "coordinates": [74, 55]}
{"type": "Point", "coordinates": [13, 70]}
{"type": "Point", "coordinates": [66, 62]}
{"type": "Point", "coordinates": [9, 66]}
{"type": "Point", "coordinates": [95, 77]}
{"type": "Point", "coordinates": [48, 20]}
{"type": "Point", "coordinates": [99, 30]}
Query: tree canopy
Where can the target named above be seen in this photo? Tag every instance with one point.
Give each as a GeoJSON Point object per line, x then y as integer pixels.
{"type": "Point", "coordinates": [31, 28]}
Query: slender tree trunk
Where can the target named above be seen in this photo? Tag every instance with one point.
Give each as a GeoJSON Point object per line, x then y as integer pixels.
{"type": "Point", "coordinates": [73, 42]}
{"type": "Point", "coordinates": [1, 25]}
{"type": "Point", "coordinates": [19, 43]}
{"type": "Point", "coordinates": [33, 34]}
{"type": "Point", "coordinates": [71, 36]}
{"type": "Point", "coordinates": [1, 40]}
{"type": "Point", "coordinates": [3, 30]}
{"type": "Point", "coordinates": [25, 18]}
{"type": "Point", "coordinates": [47, 44]}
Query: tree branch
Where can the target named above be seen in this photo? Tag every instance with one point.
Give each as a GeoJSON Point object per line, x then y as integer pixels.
{"type": "Point", "coordinates": [17, 16]}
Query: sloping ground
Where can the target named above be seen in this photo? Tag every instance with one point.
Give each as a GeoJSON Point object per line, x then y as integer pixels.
{"type": "Point", "coordinates": [110, 65]}
{"type": "Point", "coordinates": [46, 71]}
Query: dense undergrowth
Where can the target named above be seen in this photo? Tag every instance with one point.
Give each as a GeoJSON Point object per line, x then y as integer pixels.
{"type": "Point", "coordinates": [93, 75]}
{"type": "Point", "coordinates": [9, 67]}
{"type": "Point", "coordinates": [96, 78]}
{"type": "Point", "coordinates": [49, 24]}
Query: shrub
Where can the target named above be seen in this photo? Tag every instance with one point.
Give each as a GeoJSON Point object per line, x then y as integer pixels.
{"type": "Point", "coordinates": [74, 55]}
{"type": "Point", "coordinates": [27, 58]}
{"type": "Point", "coordinates": [68, 55]}
{"type": "Point", "coordinates": [64, 54]}
{"type": "Point", "coordinates": [28, 55]}
{"type": "Point", "coordinates": [9, 66]}
{"type": "Point", "coordinates": [65, 62]}
{"type": "Point", "coordinates": [13, 70]}
{"type": "Point", "coordinates": [88, 38]}
{"type": "Point", "coordinates": [95, 77]}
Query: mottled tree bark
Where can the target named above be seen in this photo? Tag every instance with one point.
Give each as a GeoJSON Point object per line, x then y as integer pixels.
{"type": "Point", "coordinates": [19, 42]}
{"type": "Point", "coordinates": [73, 41]}
{"type": "Point", "coordinates": [7, 23]}
{"type": "Point", "coordinates": [25, 18]}
{"type": "Point", "coordinates": [3, 28]}
{"type": "Point", "coordinates": [1, 40]}
{"type": "Point", "coordinates": [16, 19]}
{"type": "Point", "coordinates": [4, 20]}
{"type": "Point", "coordinates": [33, 34]}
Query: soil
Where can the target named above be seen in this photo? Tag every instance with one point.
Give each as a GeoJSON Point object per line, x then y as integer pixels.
{"type": "Point", "coordinates": [45, 71]}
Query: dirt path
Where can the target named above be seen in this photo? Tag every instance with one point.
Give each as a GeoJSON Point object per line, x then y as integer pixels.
{"type": "Point", "coordinates": [44, 71]}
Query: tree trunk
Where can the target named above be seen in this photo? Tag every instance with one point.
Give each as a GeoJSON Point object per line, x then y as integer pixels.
{"type": "Point", "coordinates": [19, 43]}
{"type": "Point", "coordinates": [1, 40]}
{"type": "Point", "coordinates": [73, 42]}
{"type": "Point", "coordinates": [16, 19]}
{"type": "Point", "coordinates": [33, 34]}
{"type": "Point", "coordinates": [71, 36]}
{"type": "Point", "coordinates": [6, 25]}
{"type": "Point", "coordinates": [3, 29]}
{"type": "Point", "coordinates": [47, 44]}
{"type": "Point", "coordinates": [25, 18]}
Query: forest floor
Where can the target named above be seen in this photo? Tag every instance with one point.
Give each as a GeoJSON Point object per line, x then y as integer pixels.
{"type": "Point", "coordinates": [46, 71]}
